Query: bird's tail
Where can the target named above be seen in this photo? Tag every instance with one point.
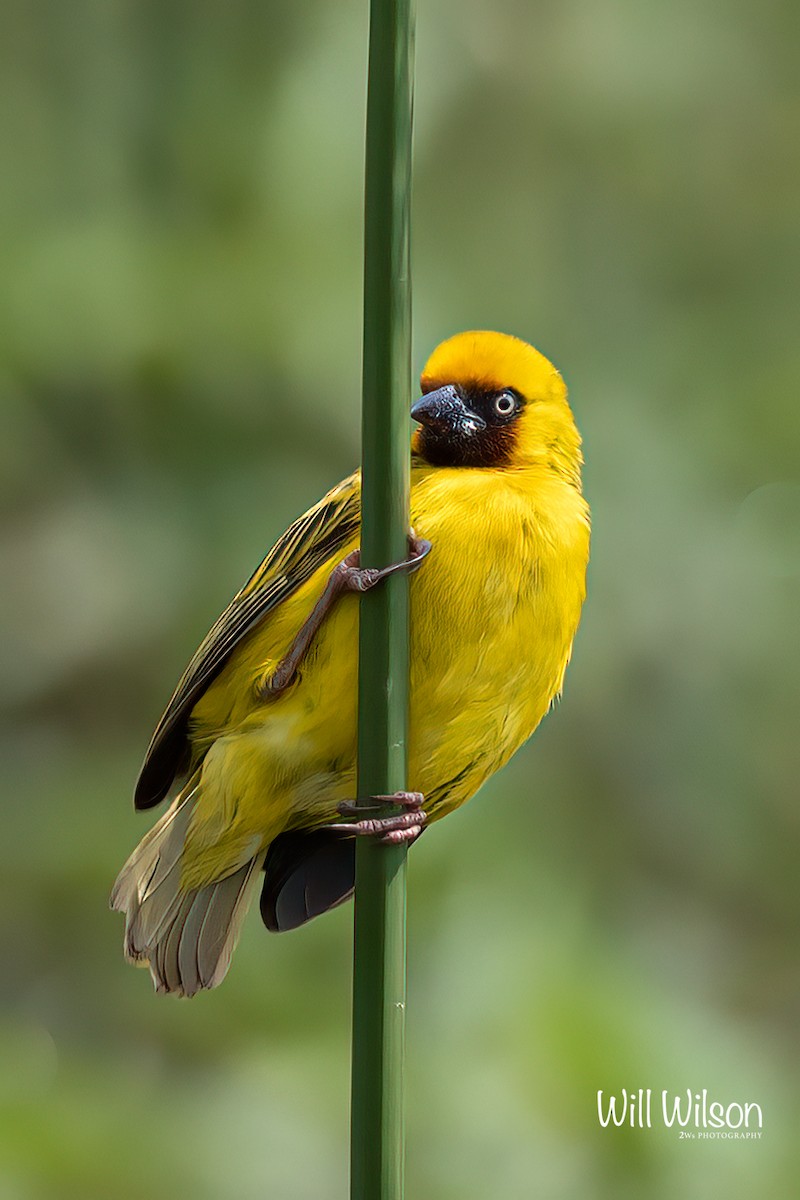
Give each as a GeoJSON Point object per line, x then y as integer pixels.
{"type": "Point", "coordinates": [186, 937]}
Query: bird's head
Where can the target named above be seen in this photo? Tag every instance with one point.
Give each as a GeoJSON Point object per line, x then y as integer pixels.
{"type": "Point", "coordinates": [491, 400]}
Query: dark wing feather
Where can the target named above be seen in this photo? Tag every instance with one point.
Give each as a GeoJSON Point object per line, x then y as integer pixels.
{"type": "Point", "coordinates": [307, 873]}
{"type": "Point", "coordinates": [318, 535]}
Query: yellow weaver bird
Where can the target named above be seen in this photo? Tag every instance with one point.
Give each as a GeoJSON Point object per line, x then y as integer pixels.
{"type": "Point", "coordinates": [257, 747]}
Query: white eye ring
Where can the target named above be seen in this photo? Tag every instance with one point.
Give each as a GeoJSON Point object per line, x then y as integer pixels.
{"type": "Point", "coordinates": [505, 404]}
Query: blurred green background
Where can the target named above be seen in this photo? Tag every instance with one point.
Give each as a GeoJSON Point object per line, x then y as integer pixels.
{"type": "Point", "coordinates": [180, 204]}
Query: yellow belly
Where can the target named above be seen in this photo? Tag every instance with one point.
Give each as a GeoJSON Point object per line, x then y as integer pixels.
{"type": "Point", "coordinates": [494, 610]}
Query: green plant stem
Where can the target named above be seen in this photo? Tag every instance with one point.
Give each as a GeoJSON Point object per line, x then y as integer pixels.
{"type": "Point", "coordinates": [379, 972]}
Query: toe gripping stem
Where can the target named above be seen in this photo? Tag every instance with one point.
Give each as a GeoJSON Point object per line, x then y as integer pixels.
{"type": "Point", "coordinates": [404, 826]}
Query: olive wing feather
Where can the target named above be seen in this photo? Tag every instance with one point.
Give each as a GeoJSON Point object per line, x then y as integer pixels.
{"type": "Point", "coordinates": [308, 543]}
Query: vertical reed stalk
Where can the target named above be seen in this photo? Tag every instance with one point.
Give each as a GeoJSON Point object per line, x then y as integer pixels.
{"type": "Point", "coordinates": [379, 974]}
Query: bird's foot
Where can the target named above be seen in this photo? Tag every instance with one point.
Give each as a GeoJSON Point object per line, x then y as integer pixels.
{"type": "Point", "coordinates": [401, 827]}
{"type": "Point", "coordinates": [354, 578]}
{"type": "Point", "coordinates": [348, 576]}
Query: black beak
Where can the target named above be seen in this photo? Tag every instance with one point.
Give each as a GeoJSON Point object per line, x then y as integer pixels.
{"type": "Point", "coordinates": [444, 411]}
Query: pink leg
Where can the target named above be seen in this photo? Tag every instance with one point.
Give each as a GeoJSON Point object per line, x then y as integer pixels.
{"type": "Point", "coordinates": [348, 576]}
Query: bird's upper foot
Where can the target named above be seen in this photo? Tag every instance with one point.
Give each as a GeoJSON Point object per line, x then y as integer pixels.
{"type": "Point", "coordinates": [348, 576]}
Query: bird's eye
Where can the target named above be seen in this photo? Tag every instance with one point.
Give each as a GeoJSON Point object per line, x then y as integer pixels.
{"type": "Point", "coordinates": [505, 403]}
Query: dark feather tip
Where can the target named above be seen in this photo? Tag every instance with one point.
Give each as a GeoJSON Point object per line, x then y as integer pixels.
{"type": "Point", "coordinates": [306, 874]}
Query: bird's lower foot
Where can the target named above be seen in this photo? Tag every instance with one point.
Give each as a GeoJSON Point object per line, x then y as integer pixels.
{"type": "Point", "coordinates": [400, 827]}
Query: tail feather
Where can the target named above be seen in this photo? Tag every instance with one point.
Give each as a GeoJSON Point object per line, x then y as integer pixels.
{"type": "Point", "coordinates": [137, 876]}
{"type": "Point", "coordinates": [220, 911]}
{"type": "Point", "coordinates": [189, 952]}
{"type": "Point", "coordinates": [186, 937]}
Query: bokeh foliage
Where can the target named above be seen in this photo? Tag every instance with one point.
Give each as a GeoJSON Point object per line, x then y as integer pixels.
{"type": "Point", "coordinates": [179, 376]}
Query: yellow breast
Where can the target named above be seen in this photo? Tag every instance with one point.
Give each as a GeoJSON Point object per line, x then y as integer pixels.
{"type": "Point", "coordinates": [493, 617]}
{"type": "Point", "coordinates": [494, 610]}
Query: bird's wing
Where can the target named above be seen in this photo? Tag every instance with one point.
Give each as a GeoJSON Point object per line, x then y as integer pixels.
{"type": "Point", "coordinates": [317, 536]}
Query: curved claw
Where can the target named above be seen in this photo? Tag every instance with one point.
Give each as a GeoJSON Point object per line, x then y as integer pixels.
{"type": "Point", "coordinates": [410, 801]}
